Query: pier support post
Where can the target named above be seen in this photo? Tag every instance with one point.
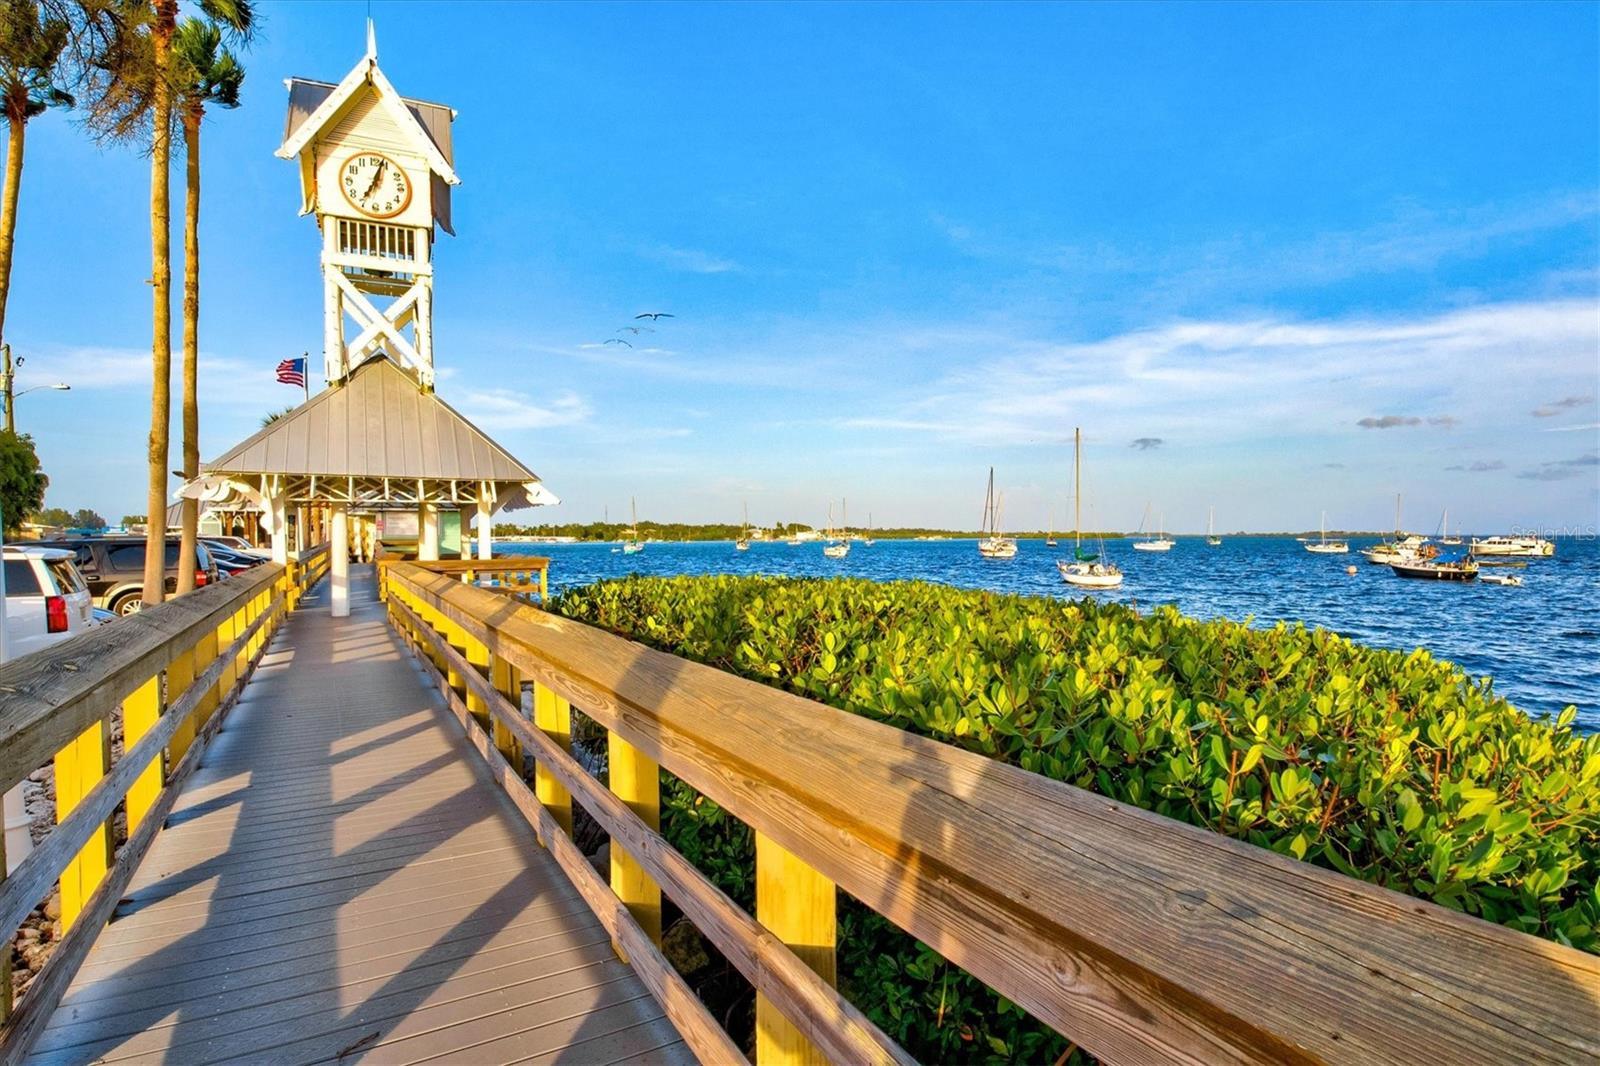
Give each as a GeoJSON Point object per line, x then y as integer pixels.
{"type": "Point", "coordinates": [485, 530]}
{"type": "Point", "coordinates": [428, 533]}
{"type": "Point", "coordinates": [280, 530]}
{"type": "Point", "coordinates": [339, 562]}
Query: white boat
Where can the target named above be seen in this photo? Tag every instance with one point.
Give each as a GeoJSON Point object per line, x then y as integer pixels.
{"type": "Point", "coordinates": [1153, 542]}
{"type": "Point", "coordinates": [992, 545]}
{"type": "Point", "coordinates": [1444, 530]}
{"type": "Point", "coordinates": [1403, 547]}
{"type": "Point", "coordinates": [1212, 540]}
{"type": "Point", "coordinates": [633, 544]}
{"type": "Point", "coordinates": [1501, 579]}
{"type": "Point", "coordinates": [835, 548]}
{"type": "Point", "coordinates": [743, 543]}
{"type": "Point", "coordinates": [866, 540]}
{"type": "Point", "coordinates": [1050, 537]}
{"type": "Point", "coordinates": [1326, 546]}
{"type": "Point", "coordinates": [1521, 547]}
{"type": "Point", "coordinates": [1085, 571]}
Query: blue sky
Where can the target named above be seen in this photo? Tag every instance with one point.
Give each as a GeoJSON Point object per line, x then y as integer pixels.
{"type": "Point", "coordinates": [1272, 258]}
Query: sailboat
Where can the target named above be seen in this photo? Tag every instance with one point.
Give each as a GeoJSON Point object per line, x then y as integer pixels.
{"type": "Point", "coordinates": [1326, 546]}
{"type": "Point", "coordinates": [1444, 530]}
{"type": "Point", "coordinates": [1211, 528]}
{"type": "Point", "coordinates": [1050, 537]}
{"type": "Point", "coordinates": [993, 545]}
{"type": "Point", "coordinates": [1153, 542]}
{"type": "Point", "coordinates": [835, 548]}
{"type": "Point", "coordinates": [866, 540]}
{"type": "Point", "coordinates": [1086, 571]}
{"type": "Point", "coordinates": [633, 543]}
{"type": "Point", "coordinates": [1404, 548]}
{"type": "Point", "coordinates": [743, 543]}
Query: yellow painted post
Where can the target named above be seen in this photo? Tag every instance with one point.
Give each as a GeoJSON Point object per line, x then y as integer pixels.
{"type": "Point", "coordinates": [478, 658]}
{"type": "Point", "coordinates": [230, 671]}
{"type": "Point", "coordinates": [456, 637]}
{"type": "Point", "coordinates": [180, 675]}
{"type": "Point", "coordinates": [544, 585]}
{"type": "Point", "coordinates": [636, 780]}
{"type": "Point", "coordinates": [797, 905]}
{"type": "Point", "coordinates": [205, 653]}
{"type": "Point", "coordinates": [79, 766]}
{"type": "Point", "coordinates": [140, 713]}
{"type": "Point", "coordinates": [553, 715]}
{"type": "Point", "coordinates": [508, 683]}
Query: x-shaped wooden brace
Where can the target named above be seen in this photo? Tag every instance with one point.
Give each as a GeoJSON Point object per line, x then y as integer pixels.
{"type": "Point", "coordinates": [383, 326]}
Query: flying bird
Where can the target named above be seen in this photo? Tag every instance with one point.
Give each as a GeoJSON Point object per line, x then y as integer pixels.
{"type": "Point", "coordinates": [655, 315]}
{"type": "Point", "coordinates": [618, 340]}
{"type": "Point", "coordinates": [636, 330]}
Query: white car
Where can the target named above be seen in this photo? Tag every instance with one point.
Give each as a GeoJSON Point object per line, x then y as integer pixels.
{"type": "Point", "coordinates": [46, 598]}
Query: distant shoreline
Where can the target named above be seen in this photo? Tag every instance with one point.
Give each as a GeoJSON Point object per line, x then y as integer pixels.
{"type": "Point", "coordinates": [714, 535]}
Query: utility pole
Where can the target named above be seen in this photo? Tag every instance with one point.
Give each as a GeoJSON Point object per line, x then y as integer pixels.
{"type": "Point", "coordinates": [7, 377]}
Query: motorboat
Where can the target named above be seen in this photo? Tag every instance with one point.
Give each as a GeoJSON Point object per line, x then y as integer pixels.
{"type": "Point", "coordinates": [1430, 570]}
{"type": "Point", "coordinates": [1403, 549]}
{"type": "Point", "coordinates": [1088, 571]}
{"type": "Point", "coordinates": [1511, 580]}
{"type": "Point", "coordinates": [1517, 546]}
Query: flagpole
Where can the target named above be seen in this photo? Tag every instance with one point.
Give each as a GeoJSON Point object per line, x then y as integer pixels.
{"type": "Point", "coordinates": [305, 378]}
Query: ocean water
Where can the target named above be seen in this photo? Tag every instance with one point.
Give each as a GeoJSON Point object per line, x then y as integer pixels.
{"type": "Point", "coordinates": [1540, 643]}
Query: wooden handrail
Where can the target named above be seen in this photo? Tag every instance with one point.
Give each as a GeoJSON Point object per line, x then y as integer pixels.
{"type": "Point", "coordinates": [1137, 936]}
{"type": "Point", "coordinates": [766, 961]}
{"type": "Point", "coordinates": [173, 669]}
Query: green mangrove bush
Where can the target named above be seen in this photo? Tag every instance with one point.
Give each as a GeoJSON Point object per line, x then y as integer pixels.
{"type": "Point", "coordinates": [1395, 768]}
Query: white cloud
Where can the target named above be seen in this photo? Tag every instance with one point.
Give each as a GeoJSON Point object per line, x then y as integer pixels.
{"type": "Point", "coordinates": [509, 409]}
{"type": "Point", "coordinates": [689, 260]}
{"type": "Point", "coordinates": [1221, 380]}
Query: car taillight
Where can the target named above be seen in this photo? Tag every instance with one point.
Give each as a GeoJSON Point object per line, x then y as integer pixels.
{"type": "Point", "coordinates": [55, 614]}
{"type": "Point", "coordinates": [199, 578]}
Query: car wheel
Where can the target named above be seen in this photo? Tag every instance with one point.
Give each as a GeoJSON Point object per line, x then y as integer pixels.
{"type": "Point", "coordinates": [126, 605]}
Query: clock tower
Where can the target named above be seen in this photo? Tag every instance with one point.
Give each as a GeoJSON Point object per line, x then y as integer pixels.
{"type": "Point", "coordinates": [376, 170]}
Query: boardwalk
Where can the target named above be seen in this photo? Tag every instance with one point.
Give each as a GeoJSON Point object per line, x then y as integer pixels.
{"type": "Point", "coordinates": [340, 881]}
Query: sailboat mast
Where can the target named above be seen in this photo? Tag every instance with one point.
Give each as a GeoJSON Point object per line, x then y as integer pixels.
{"type": "Point", "coordinates": [1077, 488]}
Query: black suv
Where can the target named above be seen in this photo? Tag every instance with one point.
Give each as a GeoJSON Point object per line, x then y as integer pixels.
{"type": "Point", "coordinates": [114, 568]}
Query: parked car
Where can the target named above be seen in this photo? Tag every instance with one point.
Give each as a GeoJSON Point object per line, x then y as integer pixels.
{"type": "Point", "coordinates": [237, 545]}
{"type": "Point", "coordinates": [231, 562]}
{"type": "Point", "coordinates": [113, 567]}
{"type": "Point", "coordinates": [46, 598]}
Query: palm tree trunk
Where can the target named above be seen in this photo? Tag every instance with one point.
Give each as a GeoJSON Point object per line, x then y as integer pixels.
{"type": "Point", "coordinates": [155, 554]}
{"type": "Point", "coordinates": [191, 342]}
{"type": "Point", "coordinates": [8, 205]}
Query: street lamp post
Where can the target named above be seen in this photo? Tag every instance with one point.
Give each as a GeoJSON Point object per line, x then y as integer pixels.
{"type": "Point", "coordinates": [8, 378]}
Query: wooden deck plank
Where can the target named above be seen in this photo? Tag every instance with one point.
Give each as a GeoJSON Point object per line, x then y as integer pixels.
{"type": "Point", "coordinates": [341, 866]}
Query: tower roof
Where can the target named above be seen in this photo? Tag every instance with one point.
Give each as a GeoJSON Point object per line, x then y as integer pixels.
{"type": "Point", "coordinates": [378, 424]}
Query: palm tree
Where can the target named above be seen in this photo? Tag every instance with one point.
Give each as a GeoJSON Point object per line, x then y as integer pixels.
{"type": "Point", "coordinates": [30, 57]}
{"type": "Point", "coordinates": [207, 73]}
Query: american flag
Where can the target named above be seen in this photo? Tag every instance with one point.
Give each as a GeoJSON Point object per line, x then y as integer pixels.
{"type": "Point", "coordinates": [292, 372]}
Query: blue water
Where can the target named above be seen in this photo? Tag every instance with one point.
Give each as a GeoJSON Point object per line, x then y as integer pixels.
{"type": "Point", "coordinates": [1540, 643]}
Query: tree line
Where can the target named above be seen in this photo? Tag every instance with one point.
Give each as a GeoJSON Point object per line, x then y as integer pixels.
{"type": "Point", "coordinates": [138, 74]}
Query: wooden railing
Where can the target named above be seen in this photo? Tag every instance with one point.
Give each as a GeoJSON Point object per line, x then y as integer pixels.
{"type": "Point", "coordinates": [171, 670]}
{"type": "Point", "coordinates": [1140, 938]}
{"type": "Point", "coordinates": [524, 575]}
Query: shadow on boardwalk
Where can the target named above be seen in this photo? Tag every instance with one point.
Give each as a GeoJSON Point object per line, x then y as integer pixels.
{"type": "Point", "coordinates": [341, 880]}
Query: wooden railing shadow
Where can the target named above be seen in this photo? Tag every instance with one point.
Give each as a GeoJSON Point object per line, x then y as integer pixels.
{"type": "Point", "coordinates": [1138, 937]}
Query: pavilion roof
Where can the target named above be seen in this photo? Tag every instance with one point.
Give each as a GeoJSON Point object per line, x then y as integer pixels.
{"type": "Point", "coordinates": [377, 424]}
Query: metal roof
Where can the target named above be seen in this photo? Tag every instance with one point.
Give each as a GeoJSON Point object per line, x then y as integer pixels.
{"type": "Point", "coordinates": [377, 424]}
{"type": "Point", "coordinates": [305, 96]}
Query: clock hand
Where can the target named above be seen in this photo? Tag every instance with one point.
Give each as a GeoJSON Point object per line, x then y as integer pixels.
{"type": "Point", "coordinates": [377, 177]}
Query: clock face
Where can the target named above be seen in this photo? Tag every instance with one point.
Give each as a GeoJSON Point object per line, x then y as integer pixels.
{"type": "Point", "coordinates": [375, 184]}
